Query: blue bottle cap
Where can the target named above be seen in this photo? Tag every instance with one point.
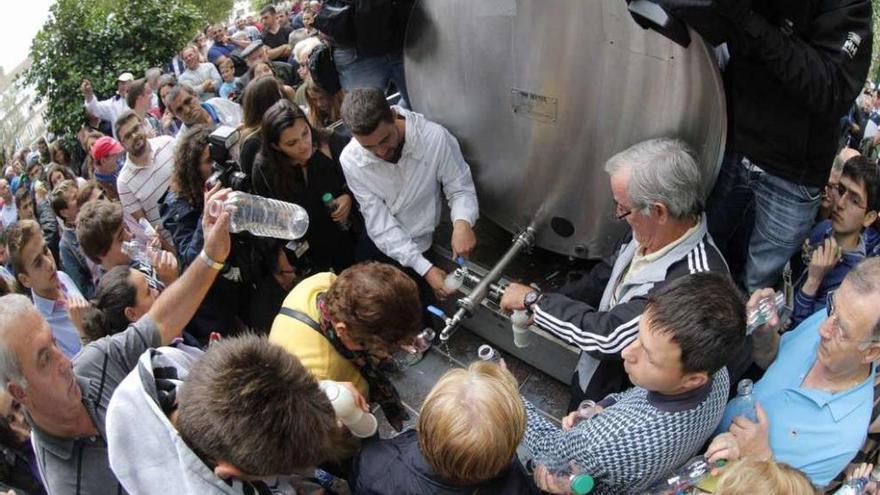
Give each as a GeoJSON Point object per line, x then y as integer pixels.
{"type": "Point", "coordinates": [434, 310]}
{"type": "Point", "coordinates": [460, 260]}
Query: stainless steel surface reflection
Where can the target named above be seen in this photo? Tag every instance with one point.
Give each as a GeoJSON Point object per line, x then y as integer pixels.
{"type": "Point", "coordinates": [540, 93]}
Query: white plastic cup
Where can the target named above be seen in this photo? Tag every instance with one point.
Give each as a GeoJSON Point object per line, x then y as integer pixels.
{"type": "Point", "coordinates": [361, 424]}
{"type": "Point", "coordinates": [520, 321]}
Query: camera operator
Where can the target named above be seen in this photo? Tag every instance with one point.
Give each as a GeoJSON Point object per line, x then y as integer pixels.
{"type": "Point", "coordinates": [181, 211]}
{"type": "Point", "coordinates": [300, 164]}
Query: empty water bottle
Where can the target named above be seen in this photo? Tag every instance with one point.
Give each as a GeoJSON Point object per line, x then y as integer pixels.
{"type": "Point", "coordinates": [520, 323]}
{"type": "Point", "coordinates": [263, 216]}
{"type": "Point", "coordinates": [404, 358]}
{"type": "Point", "coordinates": [566, 474]}
{"type": "Point", "coordinates": [691, 474]}
{"type": "Point", "coordinates": [767, 306]}
{"type": "Point", "coordinates": [138, 251]}
{"type": "Point", "coordinates": [487, 353]}
{"type": "Point", "coordinates": [331, 205]}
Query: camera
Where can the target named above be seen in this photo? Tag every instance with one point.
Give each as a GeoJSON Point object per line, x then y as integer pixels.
{"type": "Point", "coordinates": [226, 171]}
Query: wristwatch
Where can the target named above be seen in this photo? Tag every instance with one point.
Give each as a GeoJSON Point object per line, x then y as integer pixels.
{"type": "Point", "coordinates": [530, 299]}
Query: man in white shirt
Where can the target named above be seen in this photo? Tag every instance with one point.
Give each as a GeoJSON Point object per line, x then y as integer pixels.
{"type": "Point", "coordinates": [8, 212]}
{"type": "Point", "coordinates": [146, 175]}
{"type": "Point", "coordinates": [396, 165]}
{"type": "Point", "coordinates": [111, 108]}
{"type": "Point", "coordinates": [203, 77]}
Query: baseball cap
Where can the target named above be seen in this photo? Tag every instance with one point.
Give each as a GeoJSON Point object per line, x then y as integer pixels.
{"type": "Point", "coordinates": [106, 146]}
{"type": "Point", "coordinates": [251, 48]}
{"type": "Point", "coordinates": [125, 77]}
{"type": "Point", "coordinates": [33, 158]}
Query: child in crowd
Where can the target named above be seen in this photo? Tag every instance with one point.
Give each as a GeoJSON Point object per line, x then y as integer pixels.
{"type": "Point", "coordinates": [465, 442]}
{"type": "Point", "coordinates": [230, 88]}
{"type": "Point", "coordinates": [750, 476]}
{"type": "Point", "coordinates": [838, 244]}
{"type": "Point", "coordinates": [54, 294]}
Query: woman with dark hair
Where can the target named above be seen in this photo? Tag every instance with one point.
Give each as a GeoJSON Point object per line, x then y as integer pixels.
{"type": "Point", "coordinates": [122, 297]}
{"type": "Point", "coordinates": [170, 124]}
{"type": "Point", "coordinates": [258, 97]}
{"type": "Point", "coordinates": [300, 164]}
{"type": "Point", "coordinates": [58, 174]}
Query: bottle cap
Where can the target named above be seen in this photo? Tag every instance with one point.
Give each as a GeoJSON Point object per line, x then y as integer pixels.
{"type": "Point", "coordinates": [581, 484]}
{"type": "Point", "coordinates": [460, 260]}
{"type": "Point", "coordinates": [434, 310]}
{"type": "Point", "coordinates": [327, 197]}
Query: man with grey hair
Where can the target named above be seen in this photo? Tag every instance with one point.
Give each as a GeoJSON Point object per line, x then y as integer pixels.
{"type": "Point", "coordinates": [658, 190]}
{"type": "Point", "coordinates": [66, 401]}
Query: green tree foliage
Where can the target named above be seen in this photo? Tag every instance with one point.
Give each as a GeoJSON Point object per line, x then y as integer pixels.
{"type": "Point", "coordinates": [98, 42]}
{"type": "Point", "coordinates": [257, 5]}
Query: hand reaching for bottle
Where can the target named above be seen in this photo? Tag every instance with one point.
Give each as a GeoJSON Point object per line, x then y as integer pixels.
{"type": "Point", "coordinates": [343, 208]}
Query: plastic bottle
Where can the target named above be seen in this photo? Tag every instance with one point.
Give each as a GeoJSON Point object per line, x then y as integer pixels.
{"type": "Point", "coordinates": [137, 251]}
{"type": "Point", "coordinates": [741, 405]}
{"type": "Point", "coordinates": [855, 486]}
{"type": "Point", "coordinates": [487, 353]}
{"type": "Point", "coordinates": [455, 280]}
{"type": "Point", "coordinates": [330, 204]}
{"type": "Point", "coordinates": [361, 424]}
{"type": "Point", "coordinates": [587, 409]}
{"type": "Point", "coordinates": [405, 358]}
{"type": "Point", "coordinates": [572, 476]}
{"type": "Point", "coordinates": [263, 216]}
{"type": "Point", "coordinates": [766, 307]}
{"type": "Point", "coordinates": [520, 323]}
{"type": "Point", "coordinates": [688, 476]}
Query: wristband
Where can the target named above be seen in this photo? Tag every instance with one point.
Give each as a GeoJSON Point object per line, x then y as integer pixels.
{"type": "Point", "coordinates": [210, 262]}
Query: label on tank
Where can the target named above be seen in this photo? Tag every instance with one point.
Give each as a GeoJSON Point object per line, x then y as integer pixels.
{"type": "Point", "coordinates": [533, 106]}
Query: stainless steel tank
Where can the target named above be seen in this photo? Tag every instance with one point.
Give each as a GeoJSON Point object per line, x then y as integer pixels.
{"type": "Point", "coordinates": [540, 93]}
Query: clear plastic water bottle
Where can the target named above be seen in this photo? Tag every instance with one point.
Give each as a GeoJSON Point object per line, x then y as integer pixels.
{"type": "Point", "coordinates": [567, 474]}
{"type": "Point", "coordinates": [488, 353]}
{"type": "Point", "coordinates": [332, 206]}
{"type": "Point", "coordinates": [455, 280]}
{"type": "Point", "coordinates": [688, 476]}
{"type": "Point", "coordinates": [767, 306]}
{"type": "Point", "coordinates": [405, 358]}
{"type": "Point", "coordinates": [855, 486]}
{"type": "Point", "coordinates": [587, 409]}
{"type": "Point", "coordinates": [138, 251]}
{"type": "Point", "coordinates": [520, 323]}
{"type": "Point", "coordinates": [741, 405]}
{"type": "Point", "coordinates": [263, 216]}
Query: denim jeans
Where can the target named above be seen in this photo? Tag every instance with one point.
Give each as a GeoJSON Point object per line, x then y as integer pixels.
{"type": "Point", "coordinates": [370, 72]}
{"type": "Point", "coordinates": [758, 220]}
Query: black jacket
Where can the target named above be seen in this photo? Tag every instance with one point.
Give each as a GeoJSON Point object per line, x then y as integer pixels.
{"type": "Point", "coordinates": [380, 26]}
{"type": "Point", "coordinates": [795, 68]}
{"type": "Point", "coordinates": [397, 467]}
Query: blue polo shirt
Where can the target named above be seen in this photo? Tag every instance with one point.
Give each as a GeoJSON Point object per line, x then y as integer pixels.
{"type": "Point", "coordinates": [55, 312]}
{"type": "Point", "coordinates": [814, 431]}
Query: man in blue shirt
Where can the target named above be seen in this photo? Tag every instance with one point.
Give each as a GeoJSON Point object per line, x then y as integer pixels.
{"type": "Point", "coordinates": [52, 290]}
{"type": "Point", "coordinates": [223, 46]}
{"type": "Point", "coordinates": [815, 400]}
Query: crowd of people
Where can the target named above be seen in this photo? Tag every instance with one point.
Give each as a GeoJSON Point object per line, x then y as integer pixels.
{"type": "Point", "coordinates": [146, 349]}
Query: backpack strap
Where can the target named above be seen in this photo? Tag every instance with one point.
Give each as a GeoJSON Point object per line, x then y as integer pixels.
{"type": "Point", "coordinates": [301, 317]}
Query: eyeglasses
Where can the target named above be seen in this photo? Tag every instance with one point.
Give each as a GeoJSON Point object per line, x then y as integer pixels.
{"type": "Point", "coordinates": [836, 328]}
{"type": "Point", "coordinates": [619, 211]}
{"type": "Point", "coordinates": [838, 191]}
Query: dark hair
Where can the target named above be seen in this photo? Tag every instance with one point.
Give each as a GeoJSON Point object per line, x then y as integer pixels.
{"type": "Point", "coordinates": [376, 301]}
{"type": "Point", "coordinates": [123, 119]}
{"type": "Point", "coordinates": [135, 90]}
{"type": "Point", "coordinates": [704, 314]}
{"type": "Point", "coordinates": [177, 89]}
{"type": "Point", "coordinates": [258, 98]}
{"type": "Point", "coordinates": [363, 109]}
{"type": "Point", "coordinates": [189, 185]}
{"type": "Point", "coordinates": [22, 194]}
{"type": "Point", "coordinates": [284, 181]}
{"type": "Point", "coordinates": [58, 147]}
{"type": "Point", "coordinates": [58, 201]}
{"type": "Point", "coordinates": [165, 80]}
{"type": "Point", "coordinates": [96, 226]}
{"type": "Point", "coordinates": [65, 171]}
{"type": "Point", "coordinates": [251, 403]}
{"type": "Point", "coordinates": [114, 293]}
{"type": "Point", "coordinates": [863, 170]}
{"type": "Point", "coordinates": [19, 234]}
{"type": "Point", "coordinates": [268, 8]}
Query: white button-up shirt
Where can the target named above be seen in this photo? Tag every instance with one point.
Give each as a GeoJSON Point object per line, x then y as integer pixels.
{"type": "Point", "coordinates": [401, 202]}
{"type": "Point", "coordinates": [109, 109]}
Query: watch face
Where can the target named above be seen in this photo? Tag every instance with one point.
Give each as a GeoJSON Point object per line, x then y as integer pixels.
{"type": "Point", "coordinates": [530, 298]}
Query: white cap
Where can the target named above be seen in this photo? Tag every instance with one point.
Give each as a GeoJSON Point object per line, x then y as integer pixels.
{"type": "Point", "coordinates": [125, 77]}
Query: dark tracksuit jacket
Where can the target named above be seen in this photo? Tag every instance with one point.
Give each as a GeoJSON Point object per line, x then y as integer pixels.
{"type": "Point", "coordinates": [796, 66]}
{"type": "Point", "coordinates": [603, 329]}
